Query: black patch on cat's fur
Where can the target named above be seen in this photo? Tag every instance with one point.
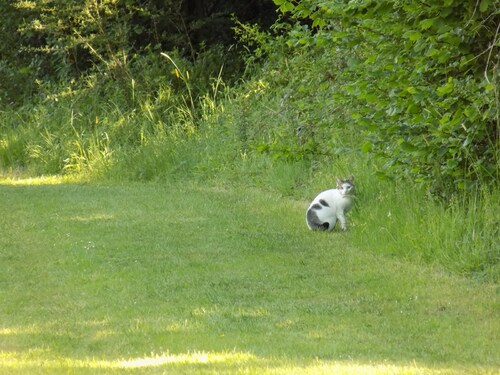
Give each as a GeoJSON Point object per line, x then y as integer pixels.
{"type": "Point", "coordinates": [313, 219]}
{"type": "Point", "coordinates": [323, 203]}
{"type": "Point", "coordinates": [316, 206]}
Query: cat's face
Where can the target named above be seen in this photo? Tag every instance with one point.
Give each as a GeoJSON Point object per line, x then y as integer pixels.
{"type": "Point", "coordinates": [346, 187]}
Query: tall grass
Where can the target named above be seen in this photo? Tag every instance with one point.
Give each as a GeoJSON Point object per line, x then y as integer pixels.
{"type": "Point", "coordinates": [404, 220]}
{"type": "Point", "coordinates": [94, 127]}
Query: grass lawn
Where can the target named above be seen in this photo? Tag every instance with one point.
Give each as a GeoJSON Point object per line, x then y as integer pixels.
{"type": "Point", "coordinates": [186, 278]}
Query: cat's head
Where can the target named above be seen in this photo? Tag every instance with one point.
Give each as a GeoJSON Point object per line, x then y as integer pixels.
{"type": "Point", "coordinates": [346, 187]}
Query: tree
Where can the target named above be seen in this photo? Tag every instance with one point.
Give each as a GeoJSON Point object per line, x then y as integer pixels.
{"type": "Point", "coordinates": [61, 40]}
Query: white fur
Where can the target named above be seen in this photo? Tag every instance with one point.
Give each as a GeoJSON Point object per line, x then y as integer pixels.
{"type": "Point", "coordinates": [339, 202]}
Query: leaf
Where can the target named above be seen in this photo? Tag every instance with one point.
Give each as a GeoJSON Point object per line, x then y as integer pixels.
{"type": "Point", "coordinates": [366, 147]}
{"type": "Point", "coordinates": [412, 90]}
{"type": "Point", "coordinates": [321, 41]}
{"type": "Point", "coordinates": [406, 146]}
{"type": "Point", "coordinates": [432, 52]}
{"type": "Point", "coordinates": [319, 22]}
{"type": "Point", "coordinates": [483, 5]}
{"type": "Point", "coordinates": [369, 97]}
{"type": "Point", "coordinates": [489, 87]}
{"type": "Point", "coordinates": [444, 119]}
{"type": "Point", "coordinates": [413, 108]}
{"type": "Point", "coordinates": [426, 24]}
{"type": "Point", "coordinates": [471, 113]}
{"type": "Point", "coordinates": [412, 35]}
{"type": "Point", "coordinates": [287, 7]}
{"type": "Point", "coordinates": [446, 88]}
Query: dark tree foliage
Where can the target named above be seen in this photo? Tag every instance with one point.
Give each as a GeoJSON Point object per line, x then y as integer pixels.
{"type": "Point", "coordinates": [60, 40]}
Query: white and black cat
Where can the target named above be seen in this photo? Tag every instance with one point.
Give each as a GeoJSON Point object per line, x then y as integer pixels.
{"type": "Point", "coordinates": [331, 205]}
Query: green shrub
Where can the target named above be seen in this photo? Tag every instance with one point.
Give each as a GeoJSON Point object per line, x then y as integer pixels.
{"type": "Point", "coordinates": [419, 80]}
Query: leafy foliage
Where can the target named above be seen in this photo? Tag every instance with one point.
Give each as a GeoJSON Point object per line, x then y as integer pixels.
{"type": "Point", "coordinates": [420, 80]}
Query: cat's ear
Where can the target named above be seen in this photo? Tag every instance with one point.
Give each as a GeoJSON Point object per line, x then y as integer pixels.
{"type": "Point", "coordinates": [351, 179]}
{"type": "Point", "coordinates": [339, 182]}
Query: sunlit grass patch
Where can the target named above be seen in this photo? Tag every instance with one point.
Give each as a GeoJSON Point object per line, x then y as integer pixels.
{"type": "Point", "coordinates": [214, 363]}
{"type": "Point", "coordinates": [34, 181]}
{"type": "Point", "coordinates": [39, 359]}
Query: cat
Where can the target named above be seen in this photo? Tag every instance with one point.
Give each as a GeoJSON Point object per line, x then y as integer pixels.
{"type": "Point", "coordinates": [331, 205]}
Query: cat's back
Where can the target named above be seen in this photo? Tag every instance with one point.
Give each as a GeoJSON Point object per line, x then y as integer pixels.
{"type": "Point", "coordinates": [330, 196]}
{"type": "Point", "coordinates": [333, 199]}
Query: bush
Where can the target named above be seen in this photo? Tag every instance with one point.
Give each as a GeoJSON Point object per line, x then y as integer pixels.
{"type": "Point", "coordinates": [419, 80]}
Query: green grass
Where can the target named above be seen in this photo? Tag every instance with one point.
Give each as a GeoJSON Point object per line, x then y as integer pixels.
{"type": "Point", "coordinates": [199, 278]}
